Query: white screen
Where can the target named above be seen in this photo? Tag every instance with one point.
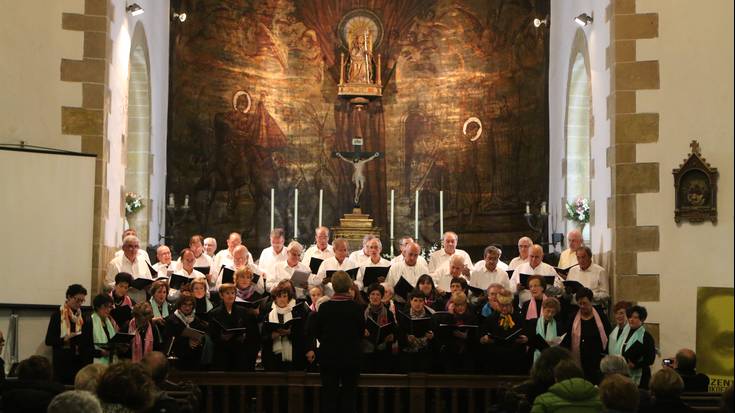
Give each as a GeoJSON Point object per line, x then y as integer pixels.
{"type": "Point", "coordinates": [47, 212]}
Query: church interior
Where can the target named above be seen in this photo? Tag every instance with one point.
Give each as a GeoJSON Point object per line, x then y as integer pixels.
{"type": "Point", "coordinates": [493, 120]}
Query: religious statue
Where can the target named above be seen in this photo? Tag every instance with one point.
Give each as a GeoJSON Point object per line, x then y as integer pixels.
{"type": "Point", "coordinates": [358, 176]}
{"type": "Point", "coordinates": [361, 59]}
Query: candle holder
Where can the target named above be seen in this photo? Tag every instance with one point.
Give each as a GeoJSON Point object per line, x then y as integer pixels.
{"type": "Point", "coordinates": [175, 216]}
{"type": "Point", "coordinates": [538, 221]}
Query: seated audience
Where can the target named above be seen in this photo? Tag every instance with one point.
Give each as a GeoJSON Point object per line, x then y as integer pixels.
{"type": "Point", "coordinates": [126, 387]}
{"type": "Point", "coordinates": [639, 349]}
{"type": "Point", "coordinates": [570, 393]}
{"type": "Point", "coordinates": [157, 365]}
{"type": "Point", "coordinates": [88, 377]}
{"type": "Point", "coordinates": [64, 335]}
{"type": "Point", "coordinates": [33, 390]}
{"type": "Point", "coordinates": [619, 394]}
{"type": "Point", "coordinates": [283, 333]}
{"type": "Point", "coordinates": [617, 364]}
{"type": "Point", "coordinates": [685, 363]}
{"type": "Point", "coordinates": [75, 401]}
{"type": "Point", "coordinates": [503, 341]}
{"type": "Point", "coordinates": [666, 387]}
{"type": "Point", "coordinates": [186, 347]}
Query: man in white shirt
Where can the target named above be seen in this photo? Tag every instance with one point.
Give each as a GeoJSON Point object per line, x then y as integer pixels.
{"type": "Point", "coordinates": [361, 256]}
{"type": "Point", "coordinates": [487, 271]}
{"type": "Point", "coordinates": [141, 252]}
{"type": "Point", "coordinates": [284, 270]}
{"type": "Point", "coordinates": [274, 254]}
{"type": "Point", "coordinates": [163, 266]}
{"type": "Point", "coordinates": [591, 276]}
{"type": "Point", "coordinates": [321, 249]}
{"type": "Point", "coordinates": [224, 257]}
{"type": "Point", "coordinates": [534, 266]}
{"type": "Point", "coordinates": [448, 271]}
{"type": "Point", "coordinates": [568, 257]}
{"type": "Point", "coordinates": [131, 263]}
{"type": "Point", "coordinates": [338, 262]}
{"type": "Point", "coordinates": [374, 247]}
{"type": "Point", "coordinates": [242, 258]}
{"type": "Point", "coordinates": [524, 246]}
{"type": "Point", "coordinates": [449, 248]}
{"type": "Point", "coordinates": [210, 246]}
{"type": "Point", "coordinates": [201, 259]}
{"type": "Point", "coordinates": [186, 269]}
{"type": "Point", "coordinates": [404, 241]}
{"type": "Point", "coordinates": [409, 268]}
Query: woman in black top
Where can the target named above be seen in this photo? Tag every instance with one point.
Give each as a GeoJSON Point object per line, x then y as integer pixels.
{"type": "Point", "coordinates": [504, 352]}
{"type": "Point", "coordinates": [284, 335]}
{"type": "Point", "coordinates": [434, 300]}
{"type": "Point", "coordinates": [380, 326]}
{"type": "Point", "coordinates": [234, 350]}
{"type": "Point", "coordinates": [202, 304]}
{"type": "Point", "coordinates": [639, 348]}
{"type": "Point", "coordinates": [186, 347]}
{"type": "Point", "coordinates": [64, 335]}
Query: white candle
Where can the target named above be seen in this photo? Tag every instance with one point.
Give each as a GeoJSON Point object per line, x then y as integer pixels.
{"type": "Point", "coordinates": [528, 207]}
{"type": "Point", "coordinates": [441, 213]}
{"type": "Point", "coordinates": [543, 208]}
{"type": "Point", "coordinates": [321, 200]}
{"type": "Point", "coordinates": [171, 199]}
{"type": "Point", "coordinates": [186, 200]}
{"type": "Point", "coordinates": [392, 206]}
{"type": "Point", "coordinates": [296, 213]}
{"type": "Point", "coordinates": [416, 219]}
{"type": "Point", "coordinates": [273, 204]}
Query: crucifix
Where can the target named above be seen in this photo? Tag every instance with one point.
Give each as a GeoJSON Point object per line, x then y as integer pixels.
{"type": "Point", "coordinates": [357, 158]}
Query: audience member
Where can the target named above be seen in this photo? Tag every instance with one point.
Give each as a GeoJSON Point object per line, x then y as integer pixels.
{"type": "Point", "coordinates": [619, 394]}
{"type": "Point", "coordinates": [666, 387]}
{"type": "Point", "coordinates": [570, 393]}
{"type": "Point", "coordinates": [685, 363]}
{"type": "Point", "coordinates": [88, 377]}
{"type": "Point", "coordinates": [33, 390]}
{"type": "Point", "coordinates": [75, 401]}
{"type": "Point", "coordinates": [126, 387]}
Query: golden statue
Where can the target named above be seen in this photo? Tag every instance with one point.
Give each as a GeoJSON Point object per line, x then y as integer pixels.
{"type": "Point", "coordinates": [361, 59]}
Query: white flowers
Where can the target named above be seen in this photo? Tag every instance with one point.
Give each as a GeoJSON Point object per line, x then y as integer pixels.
{"type": "Point", "coordinates": [579, 210]}
{"type": "Point", "coordinates": [133, 203]}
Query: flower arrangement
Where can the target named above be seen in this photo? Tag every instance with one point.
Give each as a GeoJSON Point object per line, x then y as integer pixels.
{"type": "Point", "coordinates": [133, 203]}
{"type": "Point", "coordinates": [579, 210]}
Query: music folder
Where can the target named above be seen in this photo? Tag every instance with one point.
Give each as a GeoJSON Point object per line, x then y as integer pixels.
{"type": "Point", "coordinates": [476, 291]}
{"type": "Point", "coordinates": [572, 286]}
{"type": "Point", "coordinates": [314, 264]}
{"type": "Point", "coordinates": [203, 270]}
{"type": "Point", "coordinates": [549, 279]}
{"type": "Point", "coordinates": [351, 272]}
{"type": "Point", "coordinates": [372, 274]}
{"type": "Point", "coordinates": [377, 332]}
{"type": "Point", "coordinates": [228, 275]}
{"type": "Point", "coordinates": [120, 339]}
{"type": "Point", "coordinates": [402, 288]}
{"type": "Point", "coordinates": [300, 279]}
{"type": "Point", "coordinates": [283, 326]}
{"type": "Point", "coordinates": [143, 283]}
{"type": "Point", "coordinates": [251, 304]}
{"type": "Point", "coordinates": [234, 330]}
{"type": "Point", "coordinates": [564, 271]}
{"type": "Point", "coordinates": [177, 281]}
{"type": "Point", "coordinates": [417, 327]}
{"type": "Point", "coordinates": [193, 333]}
{"type": "Point", "coordinates": [510, 273]}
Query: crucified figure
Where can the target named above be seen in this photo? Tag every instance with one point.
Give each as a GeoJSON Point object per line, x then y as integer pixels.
{"type": "Point", "coordinates": [358, 177]}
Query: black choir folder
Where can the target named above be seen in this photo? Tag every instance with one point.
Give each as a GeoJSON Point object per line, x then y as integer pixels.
{"type": "Point", "coordinates": [203, 270]}
{"type": "Point", "coordinates": [252, 304]}
{"type": "Point", "coordinates": [122, 312]}
{"type": "Point", "coordinates": [228, 276]}
{"type": "Point", "coordinates": [143, 283]}
{"type": "Point", "coordinates": [403, 288]}
{"type": "Point", "coordinates": [564, 271]}
{"type": "Point", "coordinates": [476, 291]}
{"type": "Point", "coordinates": [283, 326]}
{"type": "Point", "coordinates": [377, 332]}
{"type": "Point", "coordinates": [509, 337]}
{"type": "Point", "coordinates": [234, 330]}
{"type": "Point", "coordinates": [300, 279]}
{"type": "Point", "coordinates": [314, 264]}
{"type": "Point", "coordinates": [417, 327]}
{"type": "Point", "coordinates": [193, 333]}
{"type": "Point", "coordinates": [352, 273]}
{"type": "Point", "coordinates": [118, 339]}
{"type": "Point", "coordinates": [372, 274]}
{"type": "Point", "coordinates": [177, 281]}
{"type": "Point", "coordinates": [572, 286]}
{"type": "Point", "coordinates": [548, 279]}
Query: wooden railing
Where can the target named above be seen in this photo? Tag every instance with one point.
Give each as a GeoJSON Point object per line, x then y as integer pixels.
{"type": "Point", "coordinates": [299, 392]}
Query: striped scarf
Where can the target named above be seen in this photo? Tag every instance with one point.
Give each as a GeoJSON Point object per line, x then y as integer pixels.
{"type": "Point", "coordinates": [67, 318]}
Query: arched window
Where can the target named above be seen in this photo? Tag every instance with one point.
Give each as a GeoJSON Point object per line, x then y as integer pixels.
{"type": "Point", "coordinates": [138, 170]}
{"type": "Point", "coordinates": [578, 127]}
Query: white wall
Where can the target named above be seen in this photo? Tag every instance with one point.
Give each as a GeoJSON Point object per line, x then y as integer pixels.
{"type": "Point", "coordinates": [155, 22]}
{"type": "Point", "coordinates": [563, 30]}
{"type": "Point", "coordinates": [32, 45]}
{"type": "Point", "coordinates": [695, 101]}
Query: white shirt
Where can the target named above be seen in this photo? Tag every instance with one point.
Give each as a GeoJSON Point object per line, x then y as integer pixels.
{"type": "Point", "coordinates": [595, 278]}
{"type": "Point", "coordinates": [359, 257]}
{"type": "Point", "coordinates": [203, 260]}
{"type": "Point", "coordinates": [283, 271]}
{"type": "Point", "coordinates": [224, 257]}
{"type": "Point", "coordinates": [503, 266]}
{"type": "Point", "coordinates": [481, 277]}
{"type": "Point", "coordinates": [411, 274]}
{"type": "Point", "coordinates": [382, 262]}
{"type": "Point", "coordinates": [525, 268]}
{"type": "Point", "coordinates": [567, 258]}
{"type": "Point", "coordinates": [420, 260]}
{"type": "Point", "coordinates": [137, 268]}
{"type": "Point", "coordinates": [141, 253]}
{"type": "Point", "coordinates": [438, 258]}
{"type": "Point", "coordinates": [515, 262]}
{"type": "Point", "coordinates": [315, 252]}
{"type": "Point", "coordinates": [330, 264]}
{"type": "Point", "coordinates": [164, 270]}
{"type": "Point", "coordinates": [269, 258]}
{"type": "Point", "coordinates": [443, 277]}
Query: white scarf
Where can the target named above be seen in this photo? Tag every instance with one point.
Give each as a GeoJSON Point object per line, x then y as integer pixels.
{"type": "Point", "coordinates": [282, 345]}
{"type": "Point", "coordinates": [186, 319]}
{"type": "Point", "coordinates": [615, 347]}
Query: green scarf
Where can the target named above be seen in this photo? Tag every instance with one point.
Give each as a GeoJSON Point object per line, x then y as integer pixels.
{"type": "Point", "coordinates": [98, 335]}
{"type": "Point", "coordinates": [549, 335]}
{"type": "Point", "coordinates": [635, 374]}
{"type": "Point", "coordinates": [164, 311]}
{"type": "Point", "coordinates": [615, 347]}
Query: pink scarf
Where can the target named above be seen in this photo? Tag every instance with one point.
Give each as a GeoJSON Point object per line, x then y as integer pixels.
{"type": "Point", "coordinates": [577, 333]}
{"type": "Point", "coordinates": [126, 300]}
{"type": "Point", "coordinates": [138, 350]}
{"type": "Point", "coordinates": [532, 311]}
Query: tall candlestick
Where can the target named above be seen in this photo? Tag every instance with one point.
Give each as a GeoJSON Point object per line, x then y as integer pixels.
{"type": "Point", "coordinates": [528, 207]}
{"type": "Point", "coordinates": [321, 202]}
{"type": "Point", "coordinates": [186, 200]}
{"type": "Point", "coordinates": [543, 208]}
{"type": "Point", "coordinates": [171, 199]}
{"type": "Point", "coordinates": [296, 213]}
{"type": "Point", "coordinates": [392, 206]}
{"type": "Point", "coordinates": [441, 213]}
{"type": "Point", "coordinates": [273, 204]}
{"type": "Point", "coordinates": [416, 219]}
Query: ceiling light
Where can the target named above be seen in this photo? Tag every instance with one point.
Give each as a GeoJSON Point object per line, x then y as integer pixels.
{"type": "Point", "coordinates": [134, 9]}
{"type": "Point", "coordinates": [583, 19]}
{"type": "Point", "coordinates": [538, 22]}
{"type": "Point", "coordinates": [180, 17]}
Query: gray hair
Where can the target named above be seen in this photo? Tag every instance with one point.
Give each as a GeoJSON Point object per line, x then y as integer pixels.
{"type": "Point", "coordinates": [614, 364]}
{"type": "Point", "coordinates": [73, 401]}
{"type": "Point", "coordinates": [130, 239]}
{"type": "Point", "coordinates": [493, 249]}
{"type": "Point", "coordinates": [367, 238]}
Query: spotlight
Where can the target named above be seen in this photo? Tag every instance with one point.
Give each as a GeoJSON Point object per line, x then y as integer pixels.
{"type": "Point", "coordinates": [180, 17]}
{"type": "Point", "coordinates": [583, 19]}
{"type": "Point", "coordinates": [134, 9]}
{"type": "Point", "coordinates": [538, 22]}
